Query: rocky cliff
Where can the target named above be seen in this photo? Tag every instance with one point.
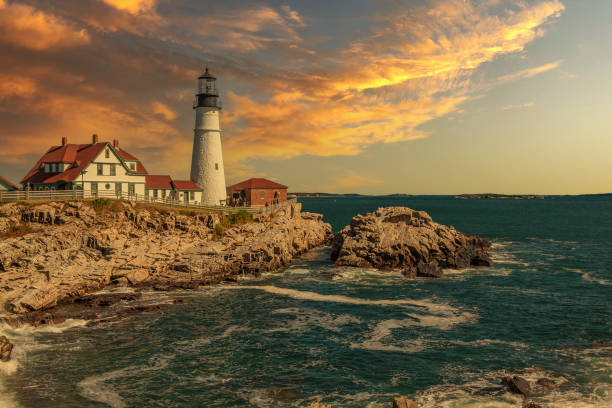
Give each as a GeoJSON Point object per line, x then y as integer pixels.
{"type": "Point", "coordinates": [399, 237]}
{"type": "Point", "coordinates": [61, 250]}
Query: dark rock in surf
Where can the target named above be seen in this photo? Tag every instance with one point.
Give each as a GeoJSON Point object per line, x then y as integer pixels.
{"type": "Point", "coordinates": [518, 385]}
{"type": "Point", "coordinates": [403, 402]}
{"type": "Point", "coordinates": [5, 349]}
{"type": "Point", "coordinates": [399, 237]}
{"type": "Point", "coordinates": [548, 384]}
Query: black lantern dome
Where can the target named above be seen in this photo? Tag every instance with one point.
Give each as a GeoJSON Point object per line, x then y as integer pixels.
{"type": "Point", "coordinates": [207, 93]}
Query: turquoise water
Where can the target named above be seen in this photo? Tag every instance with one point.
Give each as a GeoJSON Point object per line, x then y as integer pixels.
{"type": "Point", "coordinates": [357, 338]}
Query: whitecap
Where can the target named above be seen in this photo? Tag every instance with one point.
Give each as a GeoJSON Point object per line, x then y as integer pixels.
{"type": "Point", "coordinates": [95, 388]}
{"type": "Point", "coordinates": [304, 319]}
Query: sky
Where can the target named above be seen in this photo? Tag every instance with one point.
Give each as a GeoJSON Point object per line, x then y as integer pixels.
{"type": "Point", "coordinates": [363, 96]}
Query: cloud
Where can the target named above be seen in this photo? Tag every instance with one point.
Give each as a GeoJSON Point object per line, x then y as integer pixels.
{"type": "Point", "coordinates": [530, 72]}
{"type": "Point", "coordinates": [25, 26]}
{"type": "Point", "coordinates": [416, 66]}
{"type": "Point", "coordinates": [164, 111]}
{"type": "Point", "coordinates": [520, 106]}
{"type": "Point", "coordinates": [132, 6]}
{"type": "Point", "coordinates": [286, 90]}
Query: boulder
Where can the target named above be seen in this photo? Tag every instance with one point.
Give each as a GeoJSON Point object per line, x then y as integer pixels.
{"type": "Point", "coordinates": [5, 349]}
{"type": "Point", "coordinates": [518, 385]}
{"type": "Point", "coordinates": [403, 402]}
{"type": "Point", "coordinates": [547, 383]}
{"type": "Point", "coordinates": [137, 276]}
{"type": "Point", "coordinates": [402, 238]}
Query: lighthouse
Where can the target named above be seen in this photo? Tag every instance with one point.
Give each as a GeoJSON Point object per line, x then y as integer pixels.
{"type": "Point", "coordinates": [207, 157]}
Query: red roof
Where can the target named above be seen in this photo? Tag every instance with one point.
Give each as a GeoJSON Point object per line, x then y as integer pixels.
{"type": "Point", "coordinates": [8, 183]}
{"type": "Point", "coordinates": [158, 182]}
{"type": "Point", "coordinates": [257, 183]}
{"type": "Point", "coordinates": [185, 185]}
{"type": "Point", "coordinates": [79, 156]}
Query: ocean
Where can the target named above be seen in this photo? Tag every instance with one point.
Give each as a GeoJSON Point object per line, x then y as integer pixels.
{"type": "Point", "coordinates": [355, 337]}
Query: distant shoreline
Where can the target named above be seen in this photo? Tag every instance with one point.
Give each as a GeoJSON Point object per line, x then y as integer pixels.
{"type": "Point", "coordinates": [460, 196]}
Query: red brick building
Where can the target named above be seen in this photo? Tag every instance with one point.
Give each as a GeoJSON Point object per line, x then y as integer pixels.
{"type": "Point", "coordinates": [257, 192]}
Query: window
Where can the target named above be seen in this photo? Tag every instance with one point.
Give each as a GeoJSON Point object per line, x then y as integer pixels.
{"type": "Point", "coordinates": [107, 153]}
{"type": "Point", "coordinates": [131, 189]}
{"type": "Point", "coordinates": [132, 166]}
{"type": "Point", "coordinates": [107, 186]}
{"type": "Point", "coordinates": [118, 188]}
{"type": "Point", "coordinates": [94, 187]}
{"type": "Point", "coordinates": [100, 169]}
{"type": "Point", "coordinates": [216, 166]}
{"type": "Point", "coordinates": [113, 170]}
{"type": "Point", "coordinates": [52, 167]}
{"type": "Point", "coordinates": [262, 194]}
{"type": "Point", "coordinates": [154, 193]}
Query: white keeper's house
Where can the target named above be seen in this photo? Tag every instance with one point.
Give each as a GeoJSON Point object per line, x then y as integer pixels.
{"type": "Point", "coordinates": [102, 168]}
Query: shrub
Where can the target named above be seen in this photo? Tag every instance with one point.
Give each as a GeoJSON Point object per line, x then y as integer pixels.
{"type": "Point", "coordinates": [219, 229]}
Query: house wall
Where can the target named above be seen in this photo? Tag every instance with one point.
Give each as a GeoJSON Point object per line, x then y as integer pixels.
{"type": "Point", "coordinates": [254, 195]}
{"type": "Point", "coordinates": [121, 175]}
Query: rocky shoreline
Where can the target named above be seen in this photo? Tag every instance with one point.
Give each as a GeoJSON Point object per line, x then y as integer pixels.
{"type": "Point", "coordinates": [54, 255]}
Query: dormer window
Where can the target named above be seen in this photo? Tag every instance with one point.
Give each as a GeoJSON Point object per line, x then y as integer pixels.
{"type": "Point", "coordinates": [133, 166]}
{"type": "Point", "coordinates": [53, 168]}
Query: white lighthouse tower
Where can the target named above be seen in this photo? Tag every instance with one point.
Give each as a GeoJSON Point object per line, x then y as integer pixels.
{"type": "Point", "coordinates": [207, 158]}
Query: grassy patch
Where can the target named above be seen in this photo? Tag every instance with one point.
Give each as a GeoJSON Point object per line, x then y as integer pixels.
{"type": "Point", "coordinates": [102, 205]}
{"type": "Point", "coordinates": [189, 213]}
{"type": "Point", "coordinates": [241, 217]}
{"type": "Point", "coordinates": [17, 230]}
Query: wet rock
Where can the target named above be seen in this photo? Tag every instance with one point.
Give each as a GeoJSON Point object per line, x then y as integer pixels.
{"type": "Point", "coordinates": [518, 385]}
{"type": "Point", "coordinates": [403, 402]}
{"type": "Point", "coordinates": [5, 349]}
{"type": "Point", "coordinates": [399, 237]}
{"type": "Point", "coordinates": [547, 383]}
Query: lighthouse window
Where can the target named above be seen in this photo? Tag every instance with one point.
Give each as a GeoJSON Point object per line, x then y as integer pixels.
{"type": "Point", "coordinates": [216, 166]}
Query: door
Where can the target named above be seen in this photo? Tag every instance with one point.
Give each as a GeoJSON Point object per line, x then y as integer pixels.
{"type": "Point", "coordinates": [94, 188]}
{"type": "Point", "coordinates": [186, 197]}
{"type": "Point", "coordinates": [131, 189]}
{"type": "Point", "coordinates": [118, 189]}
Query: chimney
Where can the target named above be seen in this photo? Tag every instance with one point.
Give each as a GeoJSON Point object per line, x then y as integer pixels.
{"type": "Point", "coordinates": [116, 143]}
{"type": "Point", "coordinates": [64, 141]}
{"type": "Point", "coordinates": [94, 138]}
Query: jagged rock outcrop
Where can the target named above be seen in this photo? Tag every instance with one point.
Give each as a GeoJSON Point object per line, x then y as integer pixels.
{"type": "Point", "coordinates": [5, 349]}
{"type": "Point", "coordinates": [399, 237]}
{"type": "Point", "coordinates": [75, 250]}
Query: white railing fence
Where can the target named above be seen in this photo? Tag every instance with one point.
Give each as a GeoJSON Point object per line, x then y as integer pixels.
{"type": "Point", "coordinates": [58, 195]}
